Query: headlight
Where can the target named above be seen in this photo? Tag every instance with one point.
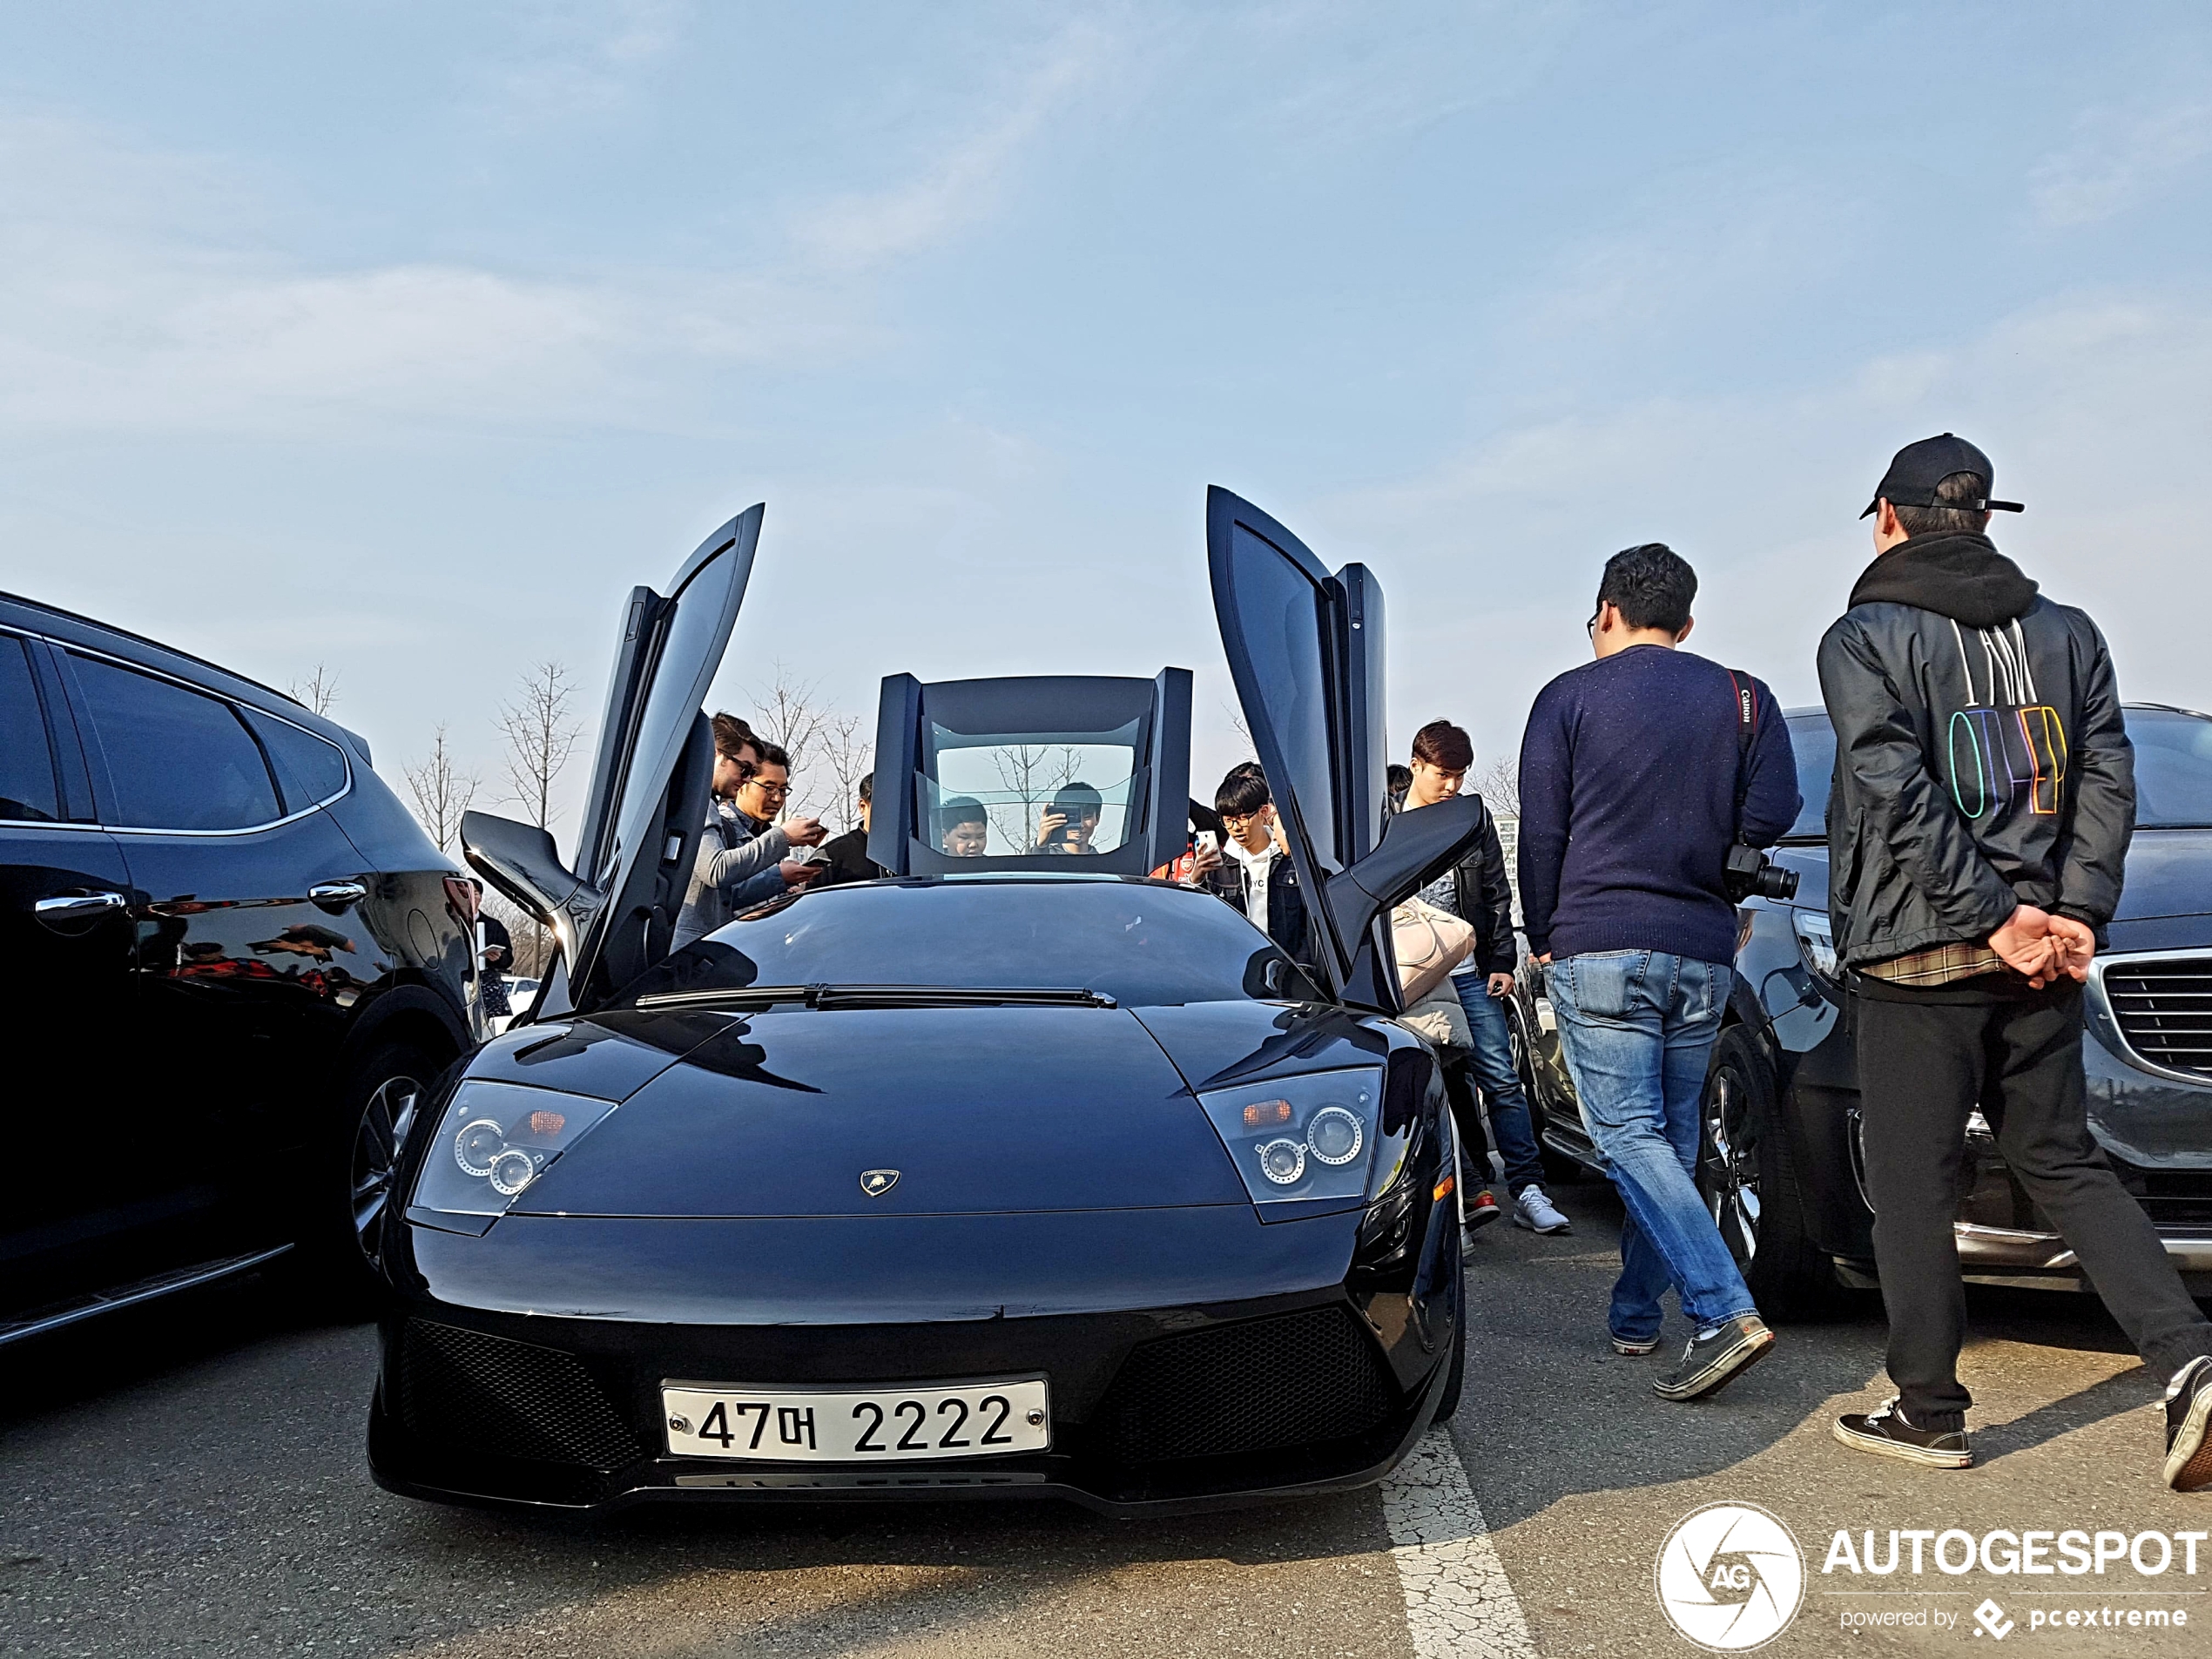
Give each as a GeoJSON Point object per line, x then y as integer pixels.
{"type": "Point", "coordinates": [495, 1141]}
{"type": "Point", "coordinates": [1816, 943]}
{"type": "Point", "coordinates": [1301, 1144]}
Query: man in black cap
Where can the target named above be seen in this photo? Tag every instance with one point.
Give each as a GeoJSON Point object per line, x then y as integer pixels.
{"type": "Point", "coordinates": [1984, 797]}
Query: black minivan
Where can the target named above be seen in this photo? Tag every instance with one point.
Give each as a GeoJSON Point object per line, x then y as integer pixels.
{"type": "Point", "coordinates": [237, 952]}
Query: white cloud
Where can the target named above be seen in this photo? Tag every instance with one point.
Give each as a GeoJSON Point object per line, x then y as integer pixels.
{"type": "Point", "coordinates": [2118, 161]}
{"type": "Point", "coordinates": [2093, 410]}
{"type": "Point", "coordinates": [965, 183]}
{"type": "Point", "coordinates": [587, 59]}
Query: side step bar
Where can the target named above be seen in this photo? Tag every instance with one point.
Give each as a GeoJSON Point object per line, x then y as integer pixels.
{"type": "Point", "coordinates": [123, 1296]}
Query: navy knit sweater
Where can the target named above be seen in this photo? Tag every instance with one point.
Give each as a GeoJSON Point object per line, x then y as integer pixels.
{"type": "Point", "coordinates": [1627, 805]}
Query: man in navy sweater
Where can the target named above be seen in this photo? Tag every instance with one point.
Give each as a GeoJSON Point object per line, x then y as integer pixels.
{"type": "Point", "coordinates": [1631, 774]}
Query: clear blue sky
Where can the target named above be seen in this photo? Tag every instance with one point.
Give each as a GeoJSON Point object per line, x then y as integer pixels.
{"type": "Point", "coordinates": [406, 338]}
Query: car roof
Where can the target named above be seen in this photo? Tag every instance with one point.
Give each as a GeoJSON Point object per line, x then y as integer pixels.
{"type": "Point", "coordinates": [89, 631]}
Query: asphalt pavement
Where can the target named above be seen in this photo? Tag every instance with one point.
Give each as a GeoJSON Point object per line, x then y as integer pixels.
{"type": "Point", "coordinates": [190, 1480]}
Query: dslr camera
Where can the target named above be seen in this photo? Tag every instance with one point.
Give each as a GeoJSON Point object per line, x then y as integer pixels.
{"type": "Point", "coordinates": [1750, 871]}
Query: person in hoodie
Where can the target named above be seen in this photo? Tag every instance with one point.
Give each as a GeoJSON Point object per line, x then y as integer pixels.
{"type": "Point", "coordinates": [1983, 801]}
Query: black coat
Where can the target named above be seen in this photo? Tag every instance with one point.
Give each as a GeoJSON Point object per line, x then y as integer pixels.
{"type": "Point", "coordinates": [848, 860]}
{"type": "Point", "coordinates": [1287, 921]}
{"type": "Point", "coordinates": [1982, 760]}
{"type": "Point", "coordinates": [1482, 897]}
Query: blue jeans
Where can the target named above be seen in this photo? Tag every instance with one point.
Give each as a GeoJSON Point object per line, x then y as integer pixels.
{"type": "Point", "coordinates": [1492, 1068]}
{"type": "Point", "coordinates": [1636, 1028]}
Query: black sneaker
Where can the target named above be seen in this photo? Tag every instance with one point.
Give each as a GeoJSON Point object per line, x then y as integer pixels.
{"type": "Point", "coordinates": [1634, 1348]}
{"type": "Point", "coordinates": [1710, 1361]}
{"type": "Point", "coordinates": [2188, 1412]}
{"type": "Point", "coordinates": [1886, 1433]}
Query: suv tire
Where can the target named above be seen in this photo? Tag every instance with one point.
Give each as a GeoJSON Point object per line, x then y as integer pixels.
{"type": "Point", "coordinates": [1749, 1182]}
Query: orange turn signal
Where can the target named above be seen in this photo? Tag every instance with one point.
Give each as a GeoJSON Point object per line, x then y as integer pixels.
{"type": "Point", "coordinates": [547, 1123]}
{"type": "Point", "coordinates": [1443, 1186]}
{"type": "Point", "coordinates": [1266, 1112]}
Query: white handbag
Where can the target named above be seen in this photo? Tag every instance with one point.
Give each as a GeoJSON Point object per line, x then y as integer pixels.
{"type": "Point", "coordinates": [1428, 943]}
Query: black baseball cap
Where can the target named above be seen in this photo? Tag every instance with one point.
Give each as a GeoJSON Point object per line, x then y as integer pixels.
{"type": "Point", "coordinates": [1916, 470]}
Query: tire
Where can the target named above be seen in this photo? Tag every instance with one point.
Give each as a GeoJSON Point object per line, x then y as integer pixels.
{"type": "Point", "coordinates": [1749, 1182]}
{"type": "Point", "coordinates": [1456, 1378]}
{"type": "Point", "coordinates": [343, 1231]}
{"type": "Point", "coordinates": [1559, 1168]}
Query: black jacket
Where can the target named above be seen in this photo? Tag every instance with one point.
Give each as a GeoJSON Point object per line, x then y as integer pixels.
{"type": "Point", "coordinates": [848, 860]}
{"type": "Point", "coordinates": [1482, 896]}
{"type": "Point", "coordinates": [1981, 761]}
{"type": "Point", "coordinates": [1286, 917]}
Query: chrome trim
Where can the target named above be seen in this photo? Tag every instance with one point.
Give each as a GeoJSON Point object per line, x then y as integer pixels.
{"type": "Point", "coordinates": [79, 907]}
{"type": "Point", "coordinates": [344, 790]}
{"type": "Point", "coordinates": [2101, 1004]}
{"type": "Point", "coordinates": [2000, 1248]}
{"type": "Point", "coordinates": [143, 1291]}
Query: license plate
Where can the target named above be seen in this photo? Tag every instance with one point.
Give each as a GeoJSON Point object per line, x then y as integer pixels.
{"type": "Point", "coordinates": [857, 1425]}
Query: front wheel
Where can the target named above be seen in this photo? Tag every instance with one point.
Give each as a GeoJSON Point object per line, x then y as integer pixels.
{"type": "Point", "coordinates": [1456, 1378]}
{"type": "Point", "coordinates": [1749, 1182]}
{"type": "Point", "coordinates": [346, 1229]}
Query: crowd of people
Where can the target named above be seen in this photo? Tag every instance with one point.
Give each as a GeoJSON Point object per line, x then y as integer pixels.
{"type": "Point", "coordinates": [1649, 777]}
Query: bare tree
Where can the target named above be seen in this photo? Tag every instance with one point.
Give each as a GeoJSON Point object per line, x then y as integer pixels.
{"type": "Point", "coordinates": [788, 715]}
{"type": "Point", "coordinates": [541, 738]}
{"type": "Point", "coordinates": [1500, 787]}
{"type": "Point", "coordinates": [1236, 719]}
{"type": "Point", "coordinates": [1032, 774]}
{"type": "Point", "coordinates": [848, 752]}
{"type": "Point", "coordinates": [443, 792]}
{"type": "Point", "coordinates": [318, 693]}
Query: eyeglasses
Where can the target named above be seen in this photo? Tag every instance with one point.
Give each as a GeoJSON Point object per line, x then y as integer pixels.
{"type": "Point", "coordinates": [767, 788]}
{"type": "Point", "coordinates": [1590, 627]}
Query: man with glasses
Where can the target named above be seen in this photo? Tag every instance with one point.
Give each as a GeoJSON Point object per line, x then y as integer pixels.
{"type": "Point", "coordinates": [1634, 782]}
{"type": "Point", "coordinates": [741, 859]}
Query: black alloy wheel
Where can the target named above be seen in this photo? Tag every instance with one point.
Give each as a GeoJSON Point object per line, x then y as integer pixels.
{"type": "Point", "coordinates": [385, 1120]}
{"type": "Point", "coordinates": [1558, 1167]}
{"type": "Point", "coordinates": [1455, 1379]}
{"type": "Point", "coordinates": [1749, 1182]}
{"type": "Point", "coordinates": [344, 1231]}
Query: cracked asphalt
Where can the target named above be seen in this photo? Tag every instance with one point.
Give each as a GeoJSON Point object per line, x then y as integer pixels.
{"type": "Point", "coordinates": [190, 1480]}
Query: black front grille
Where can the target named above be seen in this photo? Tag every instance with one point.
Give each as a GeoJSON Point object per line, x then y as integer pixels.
{"type": "Point", "coordinates": [2165, 1011]}
{"type": "Point", "coordinates": [486, 1394]}
{"type": "Point", "coordinates": [1290, 1380]}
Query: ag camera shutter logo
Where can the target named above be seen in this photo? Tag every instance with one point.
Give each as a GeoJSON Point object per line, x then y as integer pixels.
{"type": "Point", "coordinates": [1730, 1577]}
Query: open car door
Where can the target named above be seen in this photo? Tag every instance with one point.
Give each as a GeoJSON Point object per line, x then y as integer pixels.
{"type": "Point", "coordinates": [613, 913]}
{"type": "Point", "coordinates": [1306, 654]}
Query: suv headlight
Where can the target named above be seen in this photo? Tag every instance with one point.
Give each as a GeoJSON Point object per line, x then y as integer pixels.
{"type": "Point", "coordinates": [1816, 943]}
{"type": "Point", "coordinates": [1301, 1144]}
{"type": "Point", "coordinates": [495, 1141]}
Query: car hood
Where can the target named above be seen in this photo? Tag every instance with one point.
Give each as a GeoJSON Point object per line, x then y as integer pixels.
{"type": "Point", "coordinates": [2169, 874]}
{"type": "Point", "coordinates": [988, 1110]}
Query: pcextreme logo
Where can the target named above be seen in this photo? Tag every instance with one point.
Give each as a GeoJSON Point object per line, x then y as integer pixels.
{"type": "Point", "coordinates": [1730, 1577]}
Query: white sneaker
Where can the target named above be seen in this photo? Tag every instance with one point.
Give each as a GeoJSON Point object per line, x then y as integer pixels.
{"type": "Point", "coordinates": [1534, 1211]}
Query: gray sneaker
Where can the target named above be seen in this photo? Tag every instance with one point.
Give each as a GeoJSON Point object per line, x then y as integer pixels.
{"type": "Point", "coordinates": [1710, 1361]}
{"type": "Point", "coordinates": [1533, 1210]}
{"type": "Point", "coordinates": [2189, 1415]}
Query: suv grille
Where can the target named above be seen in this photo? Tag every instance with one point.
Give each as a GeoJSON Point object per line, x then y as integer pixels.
{"type": "Point", "coordinates": [2164, 1010]}
{"type": "Point", "coordinates": [1288, 1380]}
{"type": "Point", "coordinates": [485, 1394]}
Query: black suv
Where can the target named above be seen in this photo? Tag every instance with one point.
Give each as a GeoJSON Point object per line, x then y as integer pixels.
{"type": "Point", "coordinates": [239, 954]}
{"type": "Point", "coordinates": [1782, 1163]}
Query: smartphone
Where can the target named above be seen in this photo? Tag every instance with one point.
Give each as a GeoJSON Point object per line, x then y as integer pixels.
{"type": "Point", "coordinates": [808, 855]}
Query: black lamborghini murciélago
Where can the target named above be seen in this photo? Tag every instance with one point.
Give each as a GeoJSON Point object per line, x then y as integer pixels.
{"type": "Point", "coordinates": [1015, 1174]}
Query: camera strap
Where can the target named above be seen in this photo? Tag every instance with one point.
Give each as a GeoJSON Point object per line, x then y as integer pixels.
{"type": "Point", "coordinates": [1747, 732]}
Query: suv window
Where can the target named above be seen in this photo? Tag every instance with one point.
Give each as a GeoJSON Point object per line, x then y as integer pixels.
{"type": "Point", "coordinates": [310, 769]}
{"type": "Point", "coordinates": [27, 789]}
{"type": "Point", "coordinates": [176, 759]}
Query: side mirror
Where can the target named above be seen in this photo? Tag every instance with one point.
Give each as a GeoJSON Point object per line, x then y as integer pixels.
{"type": "Point", "coordinates": [1416, 848]}
{"type": "Point", "coordinates": [520, 859]}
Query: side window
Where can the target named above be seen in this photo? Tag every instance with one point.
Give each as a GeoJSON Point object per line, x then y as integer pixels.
{"type": "Point", "coordinates": [27, 789]}
{"type": "Point", "coordinates": [176, 758]}
{"type": "Point", "coordinates": [309, 768]}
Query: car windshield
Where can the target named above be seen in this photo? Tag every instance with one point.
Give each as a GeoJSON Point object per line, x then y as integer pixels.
{"type": "Point", "coordinates": [1141, 943]}
{"type": "Point", "coordinates": [2172, 769]}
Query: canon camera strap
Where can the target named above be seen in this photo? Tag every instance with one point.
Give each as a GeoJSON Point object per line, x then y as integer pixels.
{"type": "Point", "coordinates": [1747, 730]}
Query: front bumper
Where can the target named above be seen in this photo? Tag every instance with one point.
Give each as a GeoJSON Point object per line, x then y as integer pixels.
{"type": "Point", "coordinates": [1155, 1412]}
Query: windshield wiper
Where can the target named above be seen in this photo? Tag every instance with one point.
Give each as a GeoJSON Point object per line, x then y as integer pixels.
{"type": "Point", "coordinates": [880, 996]}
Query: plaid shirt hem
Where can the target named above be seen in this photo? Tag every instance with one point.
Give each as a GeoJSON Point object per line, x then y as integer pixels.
{"type": "Point", "coordinates": [1939, 965]}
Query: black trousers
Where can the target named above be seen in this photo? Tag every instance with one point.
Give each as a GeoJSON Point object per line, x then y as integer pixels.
{"type": "Point", "coordinates": [1922, 1067]}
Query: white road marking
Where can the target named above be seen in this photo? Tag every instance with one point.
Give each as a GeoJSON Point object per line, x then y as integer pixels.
{"type": "Point", "coordinates": [1458, 1603]}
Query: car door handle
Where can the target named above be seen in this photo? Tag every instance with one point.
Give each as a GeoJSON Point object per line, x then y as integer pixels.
{"type": "Point", "coordinates": [334, 896]}
{"type": "Point", "coordinates": [74, 909]}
